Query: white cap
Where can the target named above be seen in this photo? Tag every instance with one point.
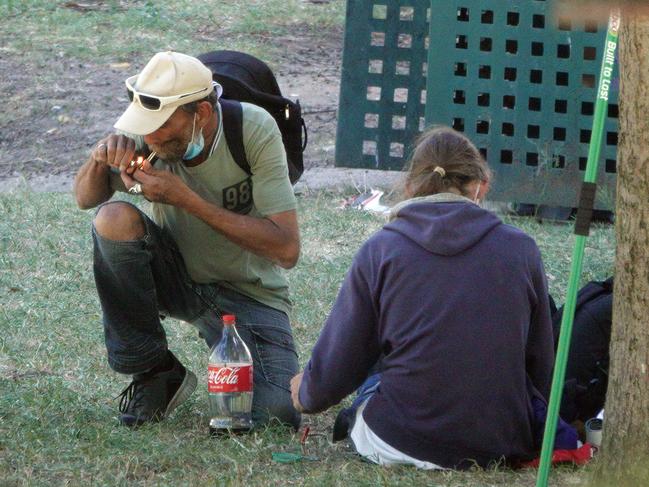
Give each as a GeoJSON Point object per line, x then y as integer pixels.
{"type": "Point", "coordinates": [167, 74]}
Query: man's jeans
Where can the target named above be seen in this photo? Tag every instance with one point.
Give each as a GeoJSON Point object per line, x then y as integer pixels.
{"type": "Point", "coordinates": [137, 281]}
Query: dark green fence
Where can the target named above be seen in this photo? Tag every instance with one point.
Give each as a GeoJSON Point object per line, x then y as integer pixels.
{"type": "Point", "coordinates": [519, 81]}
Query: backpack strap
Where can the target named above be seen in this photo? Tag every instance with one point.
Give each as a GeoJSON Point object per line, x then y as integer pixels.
{"type": "Point", "coordinates": [233, 129]}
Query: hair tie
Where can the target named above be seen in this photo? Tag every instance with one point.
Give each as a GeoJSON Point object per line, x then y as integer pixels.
{"type": "Point", "coordinates": [440, 170]}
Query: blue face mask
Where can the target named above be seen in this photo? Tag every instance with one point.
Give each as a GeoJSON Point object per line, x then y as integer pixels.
{"type": "Point", "coordinates": [194, 148]}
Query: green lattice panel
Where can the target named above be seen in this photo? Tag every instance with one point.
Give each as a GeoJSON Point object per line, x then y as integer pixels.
{"type": "Point", "coordinates": [518, 81]}
{"type": "Point", "coordinates": [383, 82]}
{"type": "Point", "coordinates": [521, 83]}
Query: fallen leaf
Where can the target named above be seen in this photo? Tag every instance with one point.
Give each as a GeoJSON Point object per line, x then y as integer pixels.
{"type": "Point", "coordinates": [120, 65]}
{"type": "Point", "coordinates": [82, 7]}
{"type": "Point", "coordinates": [63, 118]}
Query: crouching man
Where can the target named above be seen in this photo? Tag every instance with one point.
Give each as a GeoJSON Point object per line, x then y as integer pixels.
{"type": "Point", "coordinates": [214, 244]}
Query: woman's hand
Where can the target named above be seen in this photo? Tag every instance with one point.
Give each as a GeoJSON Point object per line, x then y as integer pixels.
{"type": "Point", "coordinates": [295, 392]}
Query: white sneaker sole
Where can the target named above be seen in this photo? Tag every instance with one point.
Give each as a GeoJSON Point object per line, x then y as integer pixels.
{"type": "Point", "coordinates": [184, 391]}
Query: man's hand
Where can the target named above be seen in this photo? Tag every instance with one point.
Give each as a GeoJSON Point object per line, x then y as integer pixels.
{"type": "Point", "coordinates": [295, 392]}
{"type": "Point", "coordinates": [159, 186]}
{"type": "Point", "coordinates": [92, 182]}
{"type": "Point", "coordinates": [115, 151]}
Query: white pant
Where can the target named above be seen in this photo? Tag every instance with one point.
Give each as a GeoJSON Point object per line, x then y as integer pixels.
{"type": "Point", "coordinates": [370, 446]}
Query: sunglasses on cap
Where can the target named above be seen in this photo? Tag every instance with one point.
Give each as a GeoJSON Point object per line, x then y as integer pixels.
{"type": "Point", "coordinates": [156, 103]}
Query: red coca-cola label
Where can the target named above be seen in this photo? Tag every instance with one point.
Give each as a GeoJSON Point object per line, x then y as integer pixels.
{"type": "Point", "coordinates": [229, 378]}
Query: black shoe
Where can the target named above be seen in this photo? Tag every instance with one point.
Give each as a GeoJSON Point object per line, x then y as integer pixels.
{"type": "Point", "coordinates": [344, 422]}
{"type": "Point", "coordinates": [153, 395]}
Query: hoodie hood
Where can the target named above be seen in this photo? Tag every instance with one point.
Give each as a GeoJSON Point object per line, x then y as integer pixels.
{"type": "Point", "coordinates": [443, 224]}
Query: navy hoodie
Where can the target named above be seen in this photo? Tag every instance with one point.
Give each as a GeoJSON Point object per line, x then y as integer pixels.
{"type": "Point", "coordinates": [455, 305]}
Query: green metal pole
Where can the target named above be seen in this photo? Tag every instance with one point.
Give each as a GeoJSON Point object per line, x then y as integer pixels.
{"type": "Point", "coordinates": [584, 214]}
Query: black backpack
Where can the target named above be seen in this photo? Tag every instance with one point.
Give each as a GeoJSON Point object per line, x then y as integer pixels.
{"type": "Point", "coordinates": [247, 79]}
{"type": "Point", "coordinates": [586, 380]}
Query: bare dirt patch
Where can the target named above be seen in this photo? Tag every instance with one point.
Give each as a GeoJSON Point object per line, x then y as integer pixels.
{"type": "Point", "coordinates": [56, 110]}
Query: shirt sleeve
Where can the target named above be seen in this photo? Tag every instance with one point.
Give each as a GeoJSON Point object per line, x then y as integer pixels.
{"type": "Point", "coordinates": [271, 188]}
{"type": "Point", "coordinates": [540, 346]}
{"type": "Point", "coordinates": [348, 345]}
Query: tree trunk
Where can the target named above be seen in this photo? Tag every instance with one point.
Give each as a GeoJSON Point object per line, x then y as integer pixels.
{"type": "Point", "coordinates": [625, 451]}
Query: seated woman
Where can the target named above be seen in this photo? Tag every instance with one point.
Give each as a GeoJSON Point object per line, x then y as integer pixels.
{"type": "Point", "coordinates": [451, 305]}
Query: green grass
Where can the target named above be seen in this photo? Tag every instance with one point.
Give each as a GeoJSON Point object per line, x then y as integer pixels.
{"type": "Point", "coordinates": [119, 31]}
{"type": "Point", "coordinates": [57, 410]}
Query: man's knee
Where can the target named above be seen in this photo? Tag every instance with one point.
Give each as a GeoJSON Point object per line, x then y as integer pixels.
{"type": "Point", "coordinates": [119, 221]}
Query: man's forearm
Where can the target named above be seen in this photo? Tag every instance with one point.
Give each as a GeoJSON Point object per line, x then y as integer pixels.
{"type": "Point", "coordinates": [92, 184]}
{"type": "Point", "coordinates": [260, 236]}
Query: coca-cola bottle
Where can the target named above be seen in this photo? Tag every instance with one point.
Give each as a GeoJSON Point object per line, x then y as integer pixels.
{"type": "Point", "coordinates": [229, 382]}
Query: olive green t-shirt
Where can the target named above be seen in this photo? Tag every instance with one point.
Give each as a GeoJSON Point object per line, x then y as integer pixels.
{"type": "Point", "coordinates": [209, 256]}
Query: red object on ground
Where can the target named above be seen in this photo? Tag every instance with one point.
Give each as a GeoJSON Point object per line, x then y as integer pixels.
{"type": "Point", "coordinates": [580, 456]}
{"type": "Point", "coordinates": [305, 434]}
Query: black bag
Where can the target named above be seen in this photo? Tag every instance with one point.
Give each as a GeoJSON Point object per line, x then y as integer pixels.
{"type": "Point", "coordinates": [247, 79]}
{"type": "Point", "coordinates": [586, 380]}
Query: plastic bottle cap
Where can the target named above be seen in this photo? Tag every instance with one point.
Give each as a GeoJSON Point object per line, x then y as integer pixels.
{"type": "Point", "coordinates": [229, 319]}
